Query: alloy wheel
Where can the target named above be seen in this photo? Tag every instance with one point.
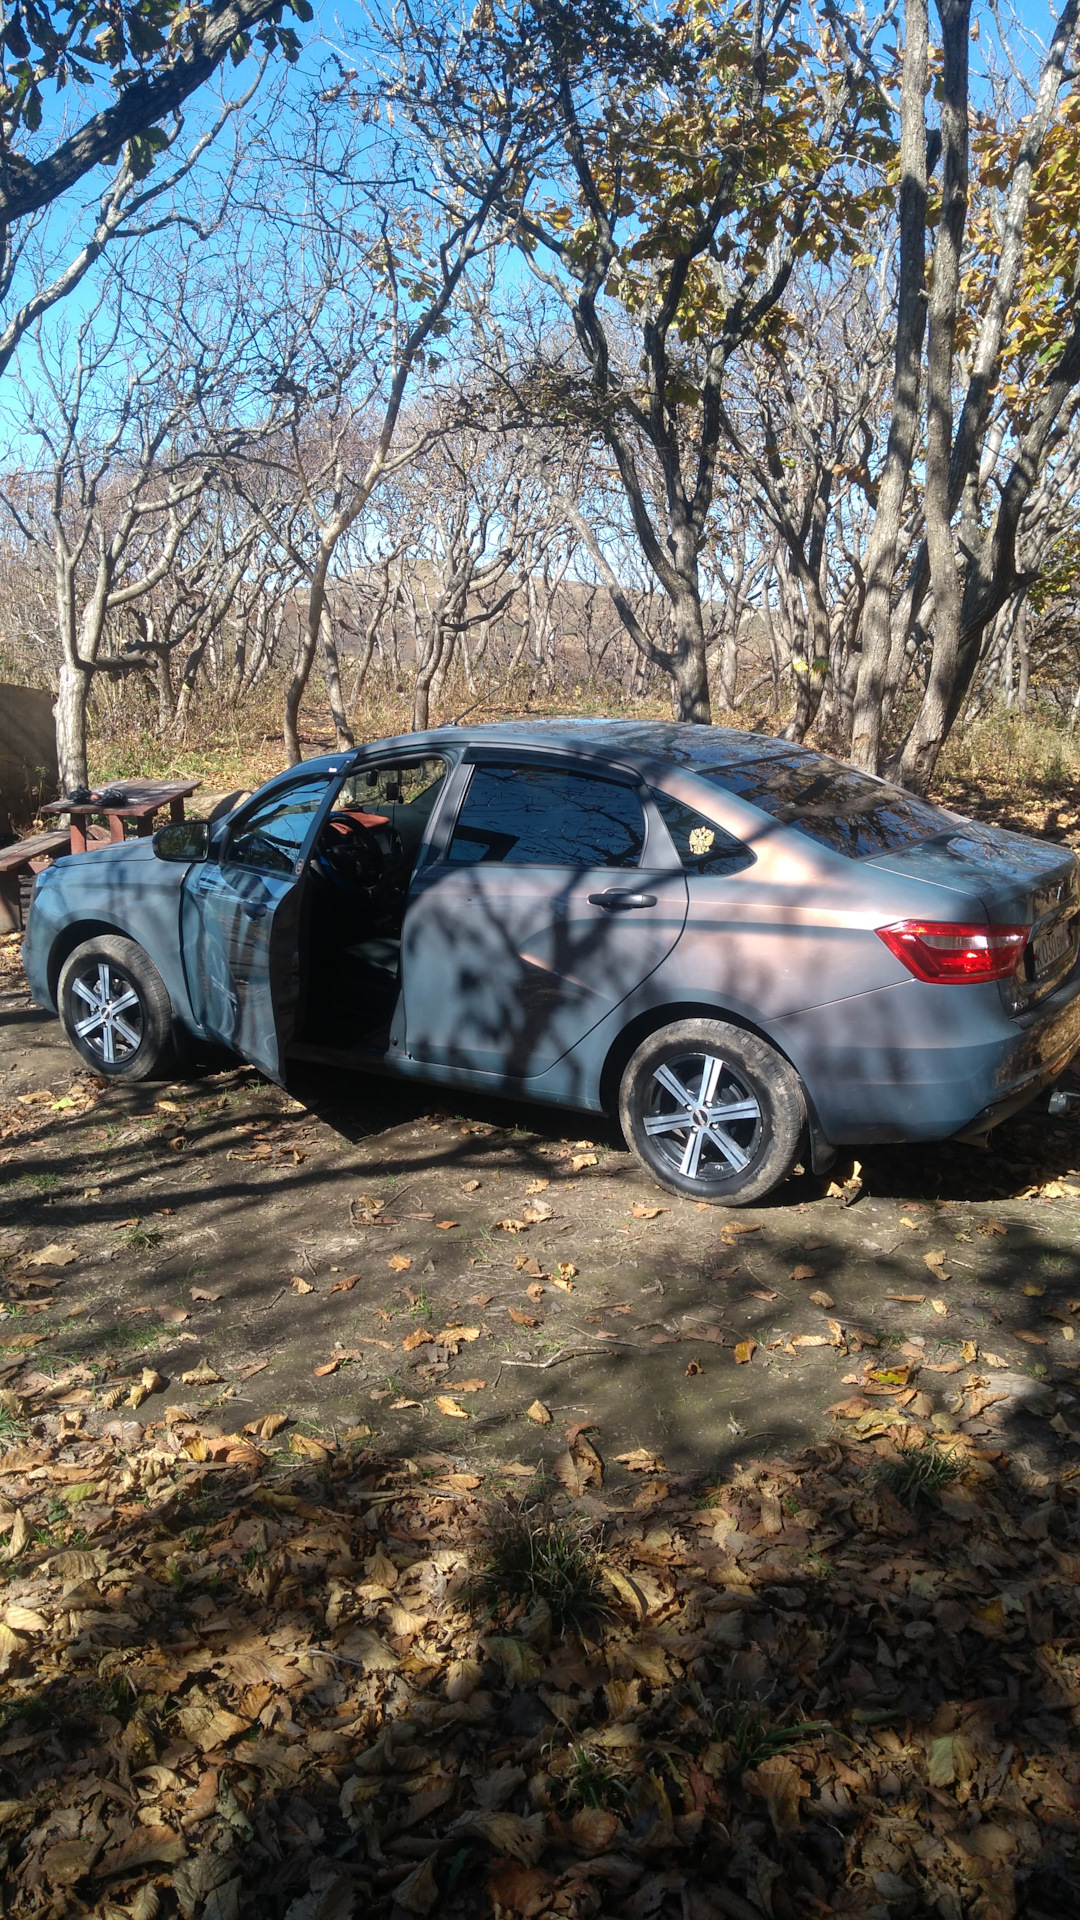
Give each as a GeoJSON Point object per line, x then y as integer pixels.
{"type": "Point", "coordinates": [703, 1120]}
{"type": "Point", "coordinates": [113, 1025]}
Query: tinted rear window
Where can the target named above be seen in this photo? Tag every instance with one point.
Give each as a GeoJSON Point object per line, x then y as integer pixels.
{"type": "Point", "coordinates": [832, 804]}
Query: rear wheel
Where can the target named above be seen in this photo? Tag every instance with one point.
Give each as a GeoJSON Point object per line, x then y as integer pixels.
{"type": "Point", "coordinates": [712, 1112]}
{"type": "Point", "coordinates": [115, 1008]}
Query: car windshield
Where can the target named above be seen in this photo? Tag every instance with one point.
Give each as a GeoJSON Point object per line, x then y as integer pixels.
{"type": "Point", "coordinates": [832, 804]}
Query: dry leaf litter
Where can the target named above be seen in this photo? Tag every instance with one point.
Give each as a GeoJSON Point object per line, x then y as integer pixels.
{"type": "Point", "coordinates": [250, 1674]}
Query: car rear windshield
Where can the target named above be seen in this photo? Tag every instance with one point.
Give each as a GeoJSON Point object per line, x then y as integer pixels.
{"type": "Point", "coordinates": [832, 804]}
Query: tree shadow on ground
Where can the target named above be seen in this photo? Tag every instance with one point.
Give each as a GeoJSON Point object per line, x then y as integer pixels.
{"type": "Point", "coordinates": [264, 1687]}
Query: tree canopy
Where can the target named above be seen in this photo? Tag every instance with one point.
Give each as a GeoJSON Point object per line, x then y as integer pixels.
{"type": "Point", "coordinates": [148, 55]}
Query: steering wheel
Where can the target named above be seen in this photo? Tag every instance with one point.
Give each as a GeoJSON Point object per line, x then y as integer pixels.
{"type": "Point", "coordinates": [353, 856]}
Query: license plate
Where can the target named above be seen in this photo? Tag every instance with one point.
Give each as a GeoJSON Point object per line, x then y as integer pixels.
{"type": "Point", "coordinates": [1051, 946]}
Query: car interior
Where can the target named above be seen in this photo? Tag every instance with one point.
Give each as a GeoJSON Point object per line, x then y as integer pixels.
{"type": "Point", "coordinates": [359, 875]}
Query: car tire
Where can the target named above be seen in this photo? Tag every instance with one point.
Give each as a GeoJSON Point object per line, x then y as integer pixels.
{"type": "Point", "coordinates": [115, 1009]}
{"type": "Point", "coordinates": [665, 1079]}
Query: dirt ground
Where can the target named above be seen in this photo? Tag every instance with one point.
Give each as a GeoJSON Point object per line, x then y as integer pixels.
{"type": "Point", "coordinates": [359, 1257]}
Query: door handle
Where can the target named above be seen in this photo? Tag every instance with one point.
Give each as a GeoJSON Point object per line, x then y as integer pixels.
{"type": "Point", "coordinates": [613, 900]}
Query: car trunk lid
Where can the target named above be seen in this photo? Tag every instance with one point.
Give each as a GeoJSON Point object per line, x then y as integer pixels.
{"type": "Point", "coordinates": [1019, 881]}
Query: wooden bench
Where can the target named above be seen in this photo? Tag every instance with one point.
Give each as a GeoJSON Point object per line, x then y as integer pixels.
{"type": "Point", "coordinates": [17, 860]}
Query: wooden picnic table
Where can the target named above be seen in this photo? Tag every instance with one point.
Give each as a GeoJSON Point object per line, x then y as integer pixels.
{"type": "Point", "coordinates": [143, 799]}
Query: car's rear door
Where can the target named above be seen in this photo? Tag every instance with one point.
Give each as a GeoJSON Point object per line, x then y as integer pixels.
{"type": "Point", "coordinates": [541, 911]}
{"type": "Point", "coordinates": [240, 921]}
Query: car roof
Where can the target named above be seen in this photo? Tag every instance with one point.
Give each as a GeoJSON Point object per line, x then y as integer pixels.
{"type": "Point", "coordinates": [643, 740]}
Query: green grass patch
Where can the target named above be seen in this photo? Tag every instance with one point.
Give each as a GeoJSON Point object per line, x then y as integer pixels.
{"type": "Point", "coordinates": [534, 1555]}
{"type": "Point", "coordinates": [750, 1732]}
{"type": "Point", "coordinates": [135, 1339]}
{"type": "Point", "coordinates": [918, 1473]}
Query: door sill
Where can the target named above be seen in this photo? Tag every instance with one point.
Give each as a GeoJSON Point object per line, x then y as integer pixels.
{"type": "Point", "coordinates": [352, 1056]}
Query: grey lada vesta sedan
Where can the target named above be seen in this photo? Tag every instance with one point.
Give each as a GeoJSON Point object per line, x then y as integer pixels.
{"type": "Point", "coordinates": [745, 950]}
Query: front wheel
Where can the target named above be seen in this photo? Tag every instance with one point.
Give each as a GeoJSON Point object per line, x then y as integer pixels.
{"type": "Point", "coordinates": [115, 1008]}
{"type": "Point", "coordinates": [712, 1112]}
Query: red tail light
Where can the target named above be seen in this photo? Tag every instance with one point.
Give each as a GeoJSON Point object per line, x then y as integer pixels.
{"type": "Point", "coordinates": [949, 952]}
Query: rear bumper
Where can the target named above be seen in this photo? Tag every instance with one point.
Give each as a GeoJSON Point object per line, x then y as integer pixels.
{"type": "Point", "coordinates": [919, 1062]}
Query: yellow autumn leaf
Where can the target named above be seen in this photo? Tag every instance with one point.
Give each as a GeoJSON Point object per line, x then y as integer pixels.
{"type": "Point", "coordinates": [266, 1428]}
{"type": "Point", "coordinates": [448, 1405]}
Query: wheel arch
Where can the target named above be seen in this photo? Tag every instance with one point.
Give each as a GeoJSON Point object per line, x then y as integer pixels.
{"type": "Point", "coordinates": [626, 1042]}
{"type": "Point", "coordinates": [72, 936]}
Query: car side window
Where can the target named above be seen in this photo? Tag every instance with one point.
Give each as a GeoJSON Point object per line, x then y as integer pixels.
{"type": "Point", "coordinates": [270, 837]}
{"type": "Point", "coordinates": [415, 785]}
{"type": "Point", "coordinates": [547, 817]}
{"type": "Point", "coordinates": [701, 845]}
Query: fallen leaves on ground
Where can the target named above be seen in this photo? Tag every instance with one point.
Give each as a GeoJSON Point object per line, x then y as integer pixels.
{"type": "Point", "coordinates": [240, 1684]}
{"type": "Point", "coordinates": [56, 1254]}
{"type": "Point", "coordinates": [640, 1460]}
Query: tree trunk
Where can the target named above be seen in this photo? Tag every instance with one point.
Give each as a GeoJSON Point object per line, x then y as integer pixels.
{"type": "Point", "coordinates": [910, 327]}
{"type": "Point", "coordinates": [332, 672]}
{"type": "Point", "coordinates": [164, 688]}
{"type": "Point", "coordinates": [307, 642]}
{"type": "Point", "coordinates": [809, 663]}
{"type": "Point", "coordinates": [924, 743]}
{"type": "Point", "coordinates": [1023, 648]}
{"type": "Point", "coordinates": [729, 665]}
{"type": "Point", "coordinates": [809, 687]}
{"type": "Point", "coordinates": [70, 712]}
{"type": "Point", "coordinates": [429, 657]}
{"type": "Point", "coordinates": [689, 673]}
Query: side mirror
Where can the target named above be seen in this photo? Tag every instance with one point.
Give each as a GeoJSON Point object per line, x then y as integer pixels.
{"type": "Point", "coordinates": [184, 840]}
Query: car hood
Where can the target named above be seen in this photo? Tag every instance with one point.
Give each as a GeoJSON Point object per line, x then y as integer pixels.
{"type": "Point", "coordinates": [109, 852]}
{"type": "Point", "coordinates": [1019, 880]}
